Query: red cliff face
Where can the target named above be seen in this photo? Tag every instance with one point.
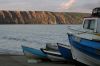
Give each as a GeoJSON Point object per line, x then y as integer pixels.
{"type": "Point", "coordinates": [40, 17]}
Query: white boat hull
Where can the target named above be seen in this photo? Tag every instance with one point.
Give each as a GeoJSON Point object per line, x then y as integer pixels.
{"type": "Point", "coordinates": [81, 57]}
{"type": "Point", "coordinates": [54, 55]}
{"type": "Point", "coordinates": [55, 58]}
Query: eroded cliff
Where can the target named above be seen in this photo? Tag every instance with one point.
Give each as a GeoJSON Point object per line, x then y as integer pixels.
{"type": "Point", "coordinates": [40, 17]}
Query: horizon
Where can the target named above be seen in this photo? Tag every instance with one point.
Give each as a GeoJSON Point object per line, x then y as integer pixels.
{"type": "Point", "coordinates": [82, 6]}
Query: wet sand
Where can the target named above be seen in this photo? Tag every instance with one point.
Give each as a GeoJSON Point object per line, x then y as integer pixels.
{"type": "Point", "coordinates": [6, 60]}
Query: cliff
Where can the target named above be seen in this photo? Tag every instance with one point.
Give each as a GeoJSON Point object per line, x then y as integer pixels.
{"type": "Point", "coordinates": [40, 17]}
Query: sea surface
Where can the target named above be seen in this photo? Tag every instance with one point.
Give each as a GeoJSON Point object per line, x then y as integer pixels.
{"type": "Point", "coordinates": [12, 37]}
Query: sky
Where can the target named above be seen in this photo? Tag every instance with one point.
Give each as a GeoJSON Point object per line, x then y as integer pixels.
{"type": "Point", "coordinates": [50, 5]}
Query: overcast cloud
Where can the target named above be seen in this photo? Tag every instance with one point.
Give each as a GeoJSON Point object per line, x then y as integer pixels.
{"type": "Point", "coordinates": [50, 5]}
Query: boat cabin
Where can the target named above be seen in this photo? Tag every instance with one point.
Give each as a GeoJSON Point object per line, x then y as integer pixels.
{"type": "Point", "coordinates": [92, 24]}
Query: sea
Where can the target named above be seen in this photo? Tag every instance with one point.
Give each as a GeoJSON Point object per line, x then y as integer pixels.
{"type": "Point", "coordinates": [12, 37]}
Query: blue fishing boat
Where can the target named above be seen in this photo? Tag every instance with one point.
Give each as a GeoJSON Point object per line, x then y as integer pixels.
{"type": "Point", "coordinates": [53, 55]}
{"type": "Point", "coordinates": [65, 51]}
{"type": "Point", "coordinates": [52, 52]}
{"type": "Point", "coordinates": [33, 53]}
{"type": "Point", "coordinates": [85, 46]}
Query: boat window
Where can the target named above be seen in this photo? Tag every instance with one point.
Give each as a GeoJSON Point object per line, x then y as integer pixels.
{"type": "Point", "coordinates": [98, 26]}
{"type": "Point", "coordinates": [89, 24]}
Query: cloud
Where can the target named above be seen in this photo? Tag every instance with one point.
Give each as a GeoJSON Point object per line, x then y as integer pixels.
{"type": "Point", "coordinates": [67, 5]}
{"type": "Point", "coordinates": [50, 5]}
{"type": "Point", "coordinates": [13, 4]}
{"type": "Point", "coordinates": [91, 5]}
{"type": "Point", "coordinates": [47, 5]}
{"type": "Point", "coordinates": [84, 6]}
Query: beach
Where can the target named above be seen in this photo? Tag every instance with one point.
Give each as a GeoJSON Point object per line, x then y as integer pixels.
{"type": "Point", "coordinates": [7, 60]}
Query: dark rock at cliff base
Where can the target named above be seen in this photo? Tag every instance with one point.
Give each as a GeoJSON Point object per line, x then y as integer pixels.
{"type": "Point", "coordinates": [40, 17]}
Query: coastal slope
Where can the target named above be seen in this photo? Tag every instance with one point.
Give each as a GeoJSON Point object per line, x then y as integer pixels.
{"type": "Point", "coordinates": [40, 17]}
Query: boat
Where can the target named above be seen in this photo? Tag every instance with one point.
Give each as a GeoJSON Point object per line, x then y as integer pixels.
{"type": "Point", "coordinates": [85, 46]}
{"type": "Point", "coordinates": [52, 46]}
{"type": "Point", "coordinates": [53, 55]}
{"type": "Point", "coordinates": [32, 53]}
{"type": "Point", "coordinates": [65, 51]}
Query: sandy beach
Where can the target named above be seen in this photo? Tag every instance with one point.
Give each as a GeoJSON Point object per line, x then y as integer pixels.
{"type": "Point", "coordinates": [6, 60]}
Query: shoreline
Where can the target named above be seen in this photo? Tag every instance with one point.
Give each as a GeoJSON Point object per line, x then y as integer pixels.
{"type": "Point", "coordinates": [7, 60]}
